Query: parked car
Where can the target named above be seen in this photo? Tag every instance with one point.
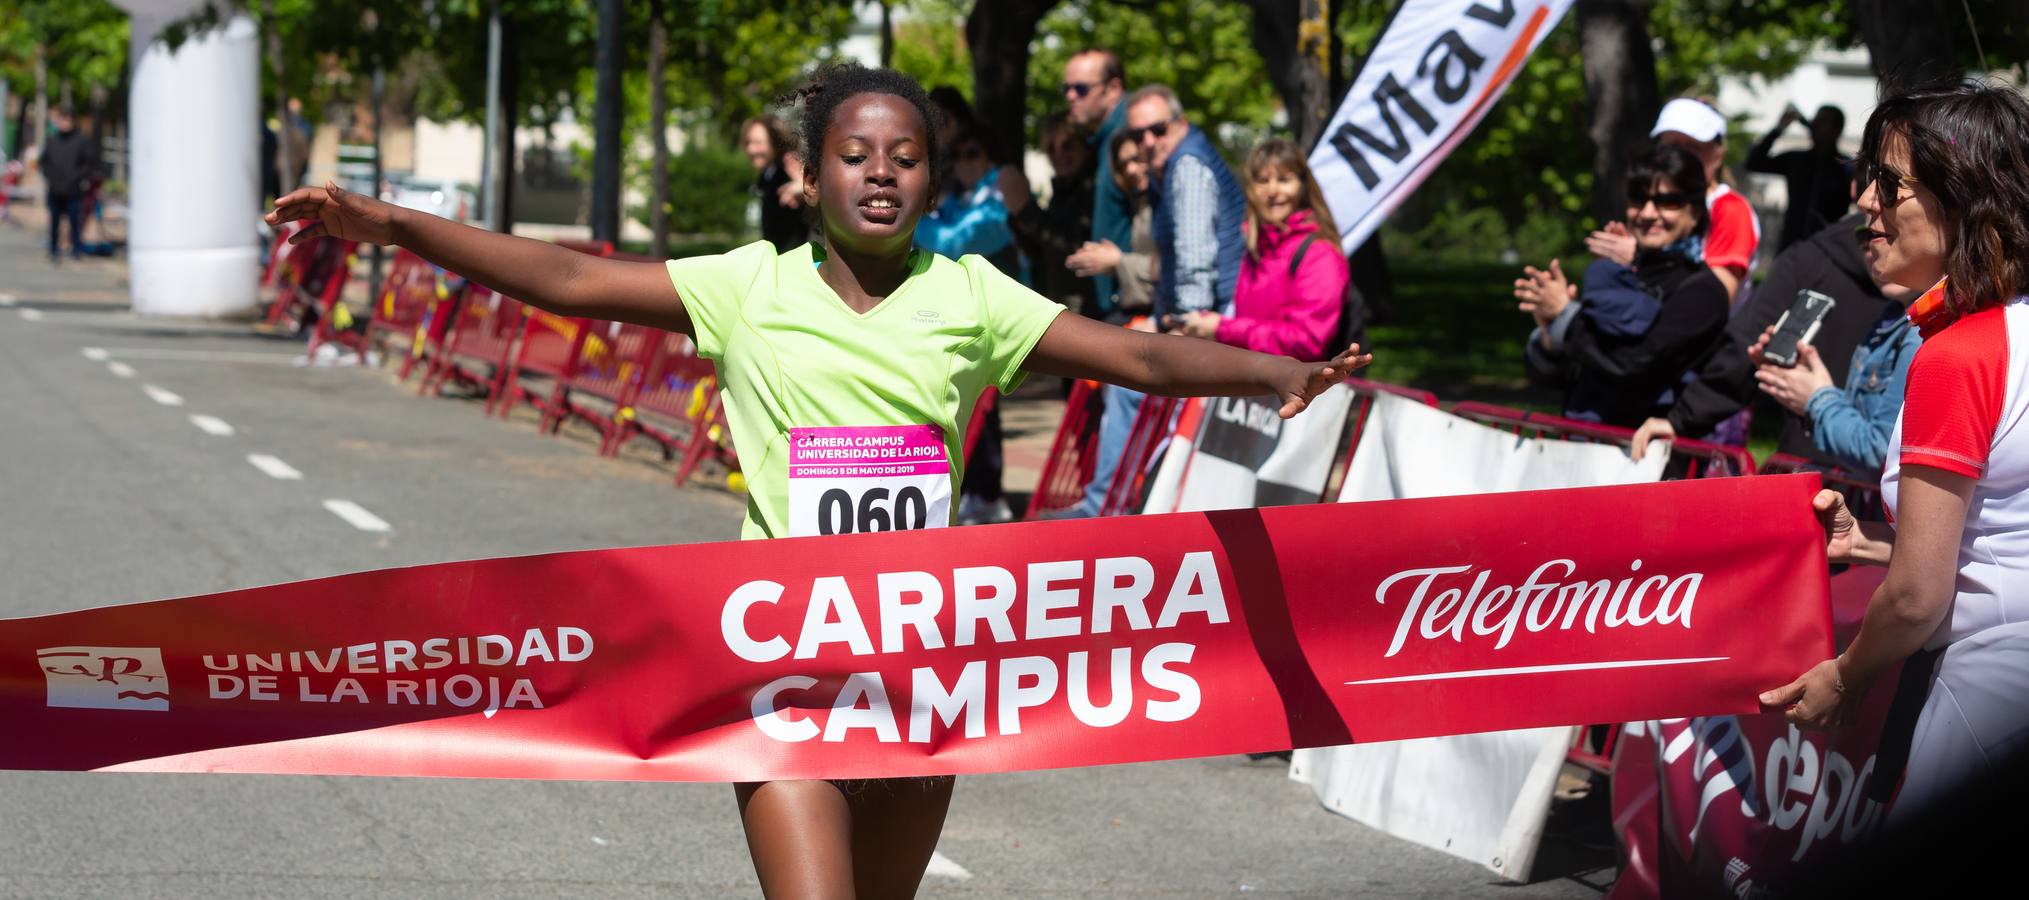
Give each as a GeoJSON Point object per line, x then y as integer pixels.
{"type": "Point", "coordinates": [436, 196]}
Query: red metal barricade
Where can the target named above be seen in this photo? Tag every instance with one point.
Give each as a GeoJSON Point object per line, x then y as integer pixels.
{"type": "Point", "coordinates": [547, 347]}
{"type": "Point", "coordinates": [412, 313]}
{"type": "Point", "coordinates": [311, 277]}
{"type": "Point", "coordinates": [278, 251]}
{"type": "Point", "coordinates": [1701, 459]}
{"type": "Point", "coordinates": [677, 405]}
{"type": "Point", "coordinates": [608, 364]}
{"type": "Point", "coordinates": [1068, 468]}
{"type": "Point", "coordinates": [1154, 424]}
{"type": "Point", "coordinates": [479, 344]}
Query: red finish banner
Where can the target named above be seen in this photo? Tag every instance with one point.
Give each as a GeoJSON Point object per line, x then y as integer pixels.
{"type": "Point", "coordinates": [956, 650]}
{"type": "Point", "coordinates": [1750, 805]}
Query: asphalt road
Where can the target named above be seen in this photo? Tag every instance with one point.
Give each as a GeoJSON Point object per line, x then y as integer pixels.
{"type": "Point", "coordinates": [110, 492]}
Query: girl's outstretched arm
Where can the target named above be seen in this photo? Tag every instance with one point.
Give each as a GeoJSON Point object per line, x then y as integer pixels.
{"type": "Point", "coordinates": [1166, 364]}
{"type": "Point", "coordinates": [545, 275]}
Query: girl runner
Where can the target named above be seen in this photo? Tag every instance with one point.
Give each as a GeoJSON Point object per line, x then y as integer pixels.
{"type": "Point", "coordinates": [859, 331]}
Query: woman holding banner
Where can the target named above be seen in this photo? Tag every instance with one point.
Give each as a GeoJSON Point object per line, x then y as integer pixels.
{"type": "Point", "coordinates": [820, 363]}
{"type": "Point", "coordinates": [1945, 186]}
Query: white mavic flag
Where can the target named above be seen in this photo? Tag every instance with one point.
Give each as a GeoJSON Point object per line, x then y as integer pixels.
{"type": "Point", "coordinates": [1434, 73]}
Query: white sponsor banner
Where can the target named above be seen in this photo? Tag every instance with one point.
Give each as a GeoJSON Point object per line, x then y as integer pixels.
{"type": "Point", "coordinates": [1409, 449]}
{"type": "Point", "coordinates": [1244, 454]}
{"type": "Point", "coordinates": [1431, 77]}
{"type": "Point", "coordinates": [1482, 797]}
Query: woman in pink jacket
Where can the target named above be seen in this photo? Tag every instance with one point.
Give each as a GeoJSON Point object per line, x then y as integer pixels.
{"type": "Point", "coordinates": [1293, 279]}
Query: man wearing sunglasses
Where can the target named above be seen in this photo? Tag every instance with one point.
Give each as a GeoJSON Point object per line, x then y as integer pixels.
{"type": "Point", "coordinates": [1198, 207]}
{"type": "Point", "coordinates": [1094, 84]}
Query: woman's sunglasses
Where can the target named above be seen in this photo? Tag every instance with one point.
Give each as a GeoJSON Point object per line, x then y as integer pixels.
{"type": "Point", "coordinates": [1640, 195]}
{"type": "Point", "coordinates": [1886, 181]}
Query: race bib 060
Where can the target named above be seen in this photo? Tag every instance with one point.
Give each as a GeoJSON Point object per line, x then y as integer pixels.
{"type": "Point", "coordinates": [848, 480]}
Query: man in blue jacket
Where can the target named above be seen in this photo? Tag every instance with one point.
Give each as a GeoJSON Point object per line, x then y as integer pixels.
{"type": "Point", "coordinates": [1198, 210]}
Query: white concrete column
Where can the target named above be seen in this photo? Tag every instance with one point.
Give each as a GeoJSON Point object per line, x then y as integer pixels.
{"type": "Point", "coordinates": [194, 143]}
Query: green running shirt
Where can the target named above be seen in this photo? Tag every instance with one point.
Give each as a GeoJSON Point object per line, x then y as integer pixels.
{"type": "Point", "coordinates": [873, 394]}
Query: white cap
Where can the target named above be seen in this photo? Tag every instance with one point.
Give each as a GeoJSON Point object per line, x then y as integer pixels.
{"type": "Point", "coordinates": [1692, 118]}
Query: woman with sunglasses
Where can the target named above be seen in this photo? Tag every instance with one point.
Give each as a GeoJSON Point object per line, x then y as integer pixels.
{"type": "Point", "coordinates": [1133, 267]}
{"type": "Point", "coordinates": [1621, 347]}
{"type": "Point", "coordinates": [1945, 187]}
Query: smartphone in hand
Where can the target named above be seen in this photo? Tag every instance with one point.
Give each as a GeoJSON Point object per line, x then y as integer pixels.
{"type": "Point", "coordinates": [1798, 325]}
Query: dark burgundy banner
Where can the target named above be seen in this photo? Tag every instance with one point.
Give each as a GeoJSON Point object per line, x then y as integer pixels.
{"type": "Point", "coordinates": [955, 650]}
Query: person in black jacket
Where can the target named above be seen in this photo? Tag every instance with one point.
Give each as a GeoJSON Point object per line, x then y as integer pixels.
{"type": "Point", "coordinates": [70, 162]}
{"type": "Point", "coordinates": [1610, 375]}
{"type": "Point", "coordinates": [1048, 236]}
{"type": "Point", "coordinates": [1828, 262]}
{"type": "Point", "coordinates": [778, 181]}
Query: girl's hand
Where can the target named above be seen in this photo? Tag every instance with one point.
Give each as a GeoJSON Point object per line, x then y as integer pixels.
{"type": "Point", "coordinates": [1093, 259]}
{"type": "Point", "coordinates": [1842, 531]}
{"type": "Point", "coordinates": [1818, 699]}
{"type": "Point", "coordinates": [1793, 387]}
{"type": "Point", "coordinates": [336, 212]}
{"type": "Point", "coordinates": [1198, 325]}
{"type": "Point", "coordinates": [1304, 381]}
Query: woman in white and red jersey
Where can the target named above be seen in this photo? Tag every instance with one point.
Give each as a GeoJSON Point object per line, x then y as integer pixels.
{"type": "Point", "coordinates": [1945, 186]}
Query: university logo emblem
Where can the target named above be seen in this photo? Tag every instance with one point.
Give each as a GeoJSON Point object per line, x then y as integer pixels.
{"type": "Point", "coordinates": [105, 677]}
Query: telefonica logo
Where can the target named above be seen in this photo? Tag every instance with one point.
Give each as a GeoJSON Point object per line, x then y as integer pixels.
{"type": "Point", "coordinates": [105, 677]}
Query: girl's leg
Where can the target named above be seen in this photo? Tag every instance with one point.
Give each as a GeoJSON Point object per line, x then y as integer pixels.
{"type": "Point", "coordinates": [869, 840]}
{"type": "Point", "coordinates": [896, 822]}
{"type": "Point", "coordinates": [800, 835]}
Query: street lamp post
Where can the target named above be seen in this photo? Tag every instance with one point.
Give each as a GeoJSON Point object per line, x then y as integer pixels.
{"type": "Point", "coordinates": [606, 127]}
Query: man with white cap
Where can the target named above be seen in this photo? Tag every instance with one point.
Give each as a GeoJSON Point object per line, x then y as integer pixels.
{"type": "Point", "coordinates": [1729, 244]}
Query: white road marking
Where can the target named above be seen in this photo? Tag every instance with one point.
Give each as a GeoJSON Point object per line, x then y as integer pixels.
{"type": "Point", "coordinates": [6, 299]}
{"type": "Point", "coordinates": [95, 354]}
{"type": "Point", "coordinates": [120, 369]}
{"type": "Point", "coordinates": [942, 866]}
{"type": "Point", "coordinates": [1531, 670]}
{"type": "Point", "coordinates": [356, 515]}
{"type": "Point", "coordinates": [166, 398]}
{"type": "Point", "coordinates": [177, 353]}
{"type": "Point", "coordinates": [212, 425]}
{"type": "Point", "coordinates": [31, 314]}
{"type": "Point", "coordinates": [275, 468]}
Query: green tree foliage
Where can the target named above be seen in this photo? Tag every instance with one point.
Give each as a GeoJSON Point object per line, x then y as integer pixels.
{"type": "Point", "coordinates": [930, 43]}
{"type": "Point", "coordinates": [1203, 50]}
{"type": "Point", "coordinates": [552, 47]}
{"type": "Point", "coordinates": [84, 42]}
{"type": "Point", "coordinates": [731, 59]}
{"type": "Point", "coordinates": [1529, 161]}
{"type": "Point", "coordinates": [709, 188]}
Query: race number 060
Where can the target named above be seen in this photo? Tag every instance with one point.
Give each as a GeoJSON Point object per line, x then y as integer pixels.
{"type": "Point", "coordinates": [838, 514]}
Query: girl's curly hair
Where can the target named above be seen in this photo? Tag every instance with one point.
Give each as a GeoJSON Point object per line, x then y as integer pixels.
{"type": "Point", "coordinates": [833, 84]}
{"type": "Point", "coordinates": [1966, 145]}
